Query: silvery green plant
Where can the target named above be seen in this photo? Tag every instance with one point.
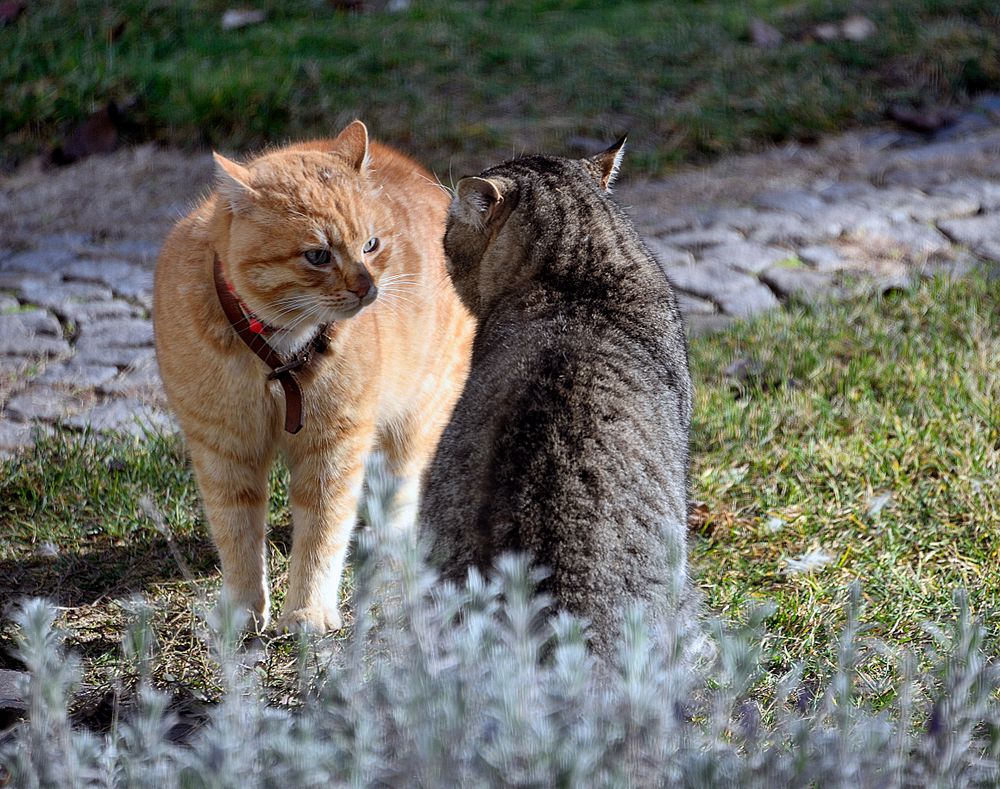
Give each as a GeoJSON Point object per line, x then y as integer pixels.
{"type": "Point", "coordinates": [478, 685]}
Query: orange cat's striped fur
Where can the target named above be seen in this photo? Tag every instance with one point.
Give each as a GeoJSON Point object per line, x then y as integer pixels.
{"type": "Point", "coordinates": [306, 235]}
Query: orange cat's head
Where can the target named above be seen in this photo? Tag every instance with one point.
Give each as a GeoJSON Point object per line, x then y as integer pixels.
{"type": "Point", "coordinates": [300, 242]}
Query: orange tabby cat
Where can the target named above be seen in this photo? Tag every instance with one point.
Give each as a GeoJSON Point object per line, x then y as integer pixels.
{"type": "Point", "coordinates": [339, 234]}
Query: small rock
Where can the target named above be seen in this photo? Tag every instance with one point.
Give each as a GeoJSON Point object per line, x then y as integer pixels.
{"type": "Point", "coordinates": [142, 381]}
{"type": "Point", "coordinates": [17, 436]}
{"type": "Point", "coordinates": [41, 402]}
{"type": "Point", "coordinates": [857, 28]}
{"type": "Point", "coordinates": [117, 333]}
{"type": "Point", "coordinates": [789, 229]}
{"type": "Point", "coordinates": [746, 255]}
{"type": "Point", "coordinates": [235, 18]}
{"type": "Point", "coordinates": [667, 255]}
{"type": "Point", "coordinates": [923, 119]}
{"type": "Point", "coordinates": [47, 550]}
{"type": "Point", "coordinates": [692, 305]}
{"type": "Point", "coordinates": [33, 333]}
{"type": "Point", "coordinates": [8, 303]}
{"type": "Point", "coordinates": [58, 296]}
{"type": "Point", "coordinates": [97, 354]}
{"type": "Point", "coordinates": [965, 124]}
{"type": "Point", "coordinates": [975, 232]}
{"type": "Point", "coordinates": [73, 375]}
{"type": "Point", "coordinates": [823, 258]}
{"type": "Point", "coordinates": [744, 370]}
{"type": "Point", "coordinates": [794, 201]}
{"type": "Point", "coordinates": [984, 192]}
{"type": "Point", "coordinates": [734, 292]}
{"type": "Point", "coordinates": [828, 31]}
{"type": "Point", "coordinates": [764, 35]}
{"type": "Point", "coordinates": [802, 284]}
{"type": "Point", "coordinates": [700, 239]}
{"type": "Point", "coordinates": [126, 416]}
{"type": "Point", "coordinates": [123, 278]}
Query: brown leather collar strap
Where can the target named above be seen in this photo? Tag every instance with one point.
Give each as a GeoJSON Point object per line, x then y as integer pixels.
{"type": "Point", "coordinates": [280, 370]}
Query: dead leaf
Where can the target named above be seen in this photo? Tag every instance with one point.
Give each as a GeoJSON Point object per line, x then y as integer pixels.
{"type": "Point", "coordinates": [10, 12]}
{"type": "Point", "coordinates": [97, 134]}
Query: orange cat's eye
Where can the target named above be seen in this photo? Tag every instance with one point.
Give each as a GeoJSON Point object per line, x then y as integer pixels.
{"type": "Point", "coordinates": [317, 257]}
{"type": "Point", "coordinates": [370, 245]}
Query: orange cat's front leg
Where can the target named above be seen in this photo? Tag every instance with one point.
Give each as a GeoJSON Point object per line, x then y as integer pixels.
{"type": "Point", "coordinates": [234, 490]}
{"type": "Point", "coordinates": [326, 479]}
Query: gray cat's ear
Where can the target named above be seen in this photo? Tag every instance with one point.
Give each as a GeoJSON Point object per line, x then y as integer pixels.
{"type": "Point", "coordinates": [352, 144]}
{"type": "Point", "coordinates": [605, 165]}
{"type": "Point", "coordinates": [479, 196]}
{"type": "Point", "coordinates": [232, 181]}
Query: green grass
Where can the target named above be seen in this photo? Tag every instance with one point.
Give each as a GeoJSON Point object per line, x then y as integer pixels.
{"type": "Point", "coordinates": [899, 396]}
{"type": "Point", "coordinates": [462, 83]}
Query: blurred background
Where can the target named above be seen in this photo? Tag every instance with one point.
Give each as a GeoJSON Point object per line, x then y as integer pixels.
{"type": "Point", "coordinates": [461, 84]}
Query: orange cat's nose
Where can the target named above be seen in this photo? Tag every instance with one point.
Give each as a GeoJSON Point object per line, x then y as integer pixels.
{"type": "Point", "coordinates": [363, 287]}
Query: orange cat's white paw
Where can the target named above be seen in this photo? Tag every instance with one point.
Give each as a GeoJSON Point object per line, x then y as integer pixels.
{"type": "Point", "coordinates": [315, 619]}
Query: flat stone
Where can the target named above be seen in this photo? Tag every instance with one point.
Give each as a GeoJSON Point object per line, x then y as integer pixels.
{"type": "Point", "coordinates": [794, 201]}
{"type": "Point", "coordinates": [8, 303]}
{"type": "Point", "coordinates": [746, 255]}
{"type": "Point", "coordinates": [799, 283]}
{"type": "Point", "coordinates": [116, 333]}
{"type": "Point", "coordinates": [125, 415]}
{"type": "Point", "coordinates": [733, 291]}
{"type": "Point", "coordinates": [656, 222]}
{"type": "Point", "coordinates": [968, 123]}
{"type": "Point", "coordinates": [789, 229]}
{"type": "Point", "coordinates": [144, 380]}
{"type": "Point", "coordinates": [123, 278]}
{"type": "Point", "coordinates": [97, 353]}
{"type": "Point", "coordinates": [73, 375]}
{"type": "Point", "coordinates": [31, 333]}
{"type": "Point", "coordinates": [39, 261]}
{"type": "Point", "coordinates": [737, 218]}
{"type": "Point", "coordinates": [978, 233]}
{"type": "Point", "coordinates": [101, 310]}
{"type": "Point", "coordinates": [921, 240]}
{"type": "Point", "coordinates": [668, 255]}
{"type": "Point", "coordinates": [700, 239]}
{"type": "Point", "coordinates": [41, 402]}
{"type": "Point", "coordinates": [16, 437]}
{"type": "Point", "coordinates": [58, 296]}
{"type": "Point", "coordinates": [822, 258]}
{"type": "Point", "coordinates": [692, 305]}
{"type": "Point", "coordinates": [984, 192]}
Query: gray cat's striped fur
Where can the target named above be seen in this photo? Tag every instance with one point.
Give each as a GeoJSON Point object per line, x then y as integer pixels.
{"type": "Point", "coordinates": [570, 440]}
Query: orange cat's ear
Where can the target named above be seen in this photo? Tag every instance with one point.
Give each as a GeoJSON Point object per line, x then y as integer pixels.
{"type": "Point", "coordinates": [479, 196]}
{"type": "Point", "coordinates": [232, 181]}
{"type": "Point", "coordinates": [352, 144]}
{"type": "Point", "coordinates": [605, 165]}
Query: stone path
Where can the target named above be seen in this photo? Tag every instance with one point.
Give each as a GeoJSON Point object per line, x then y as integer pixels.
{"type": "Point", "coordinates": [865, 211]}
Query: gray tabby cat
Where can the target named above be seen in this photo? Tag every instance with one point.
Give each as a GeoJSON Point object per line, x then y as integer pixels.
{"type": "Point", "coordinates": [570, 440]}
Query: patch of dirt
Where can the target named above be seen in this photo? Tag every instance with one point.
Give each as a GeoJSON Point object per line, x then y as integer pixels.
{"type": "Point", "coordinates": [135, 194]}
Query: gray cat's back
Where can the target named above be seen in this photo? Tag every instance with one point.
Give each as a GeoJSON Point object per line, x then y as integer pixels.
{"type": "Point", "coordinates": [570, 438]}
